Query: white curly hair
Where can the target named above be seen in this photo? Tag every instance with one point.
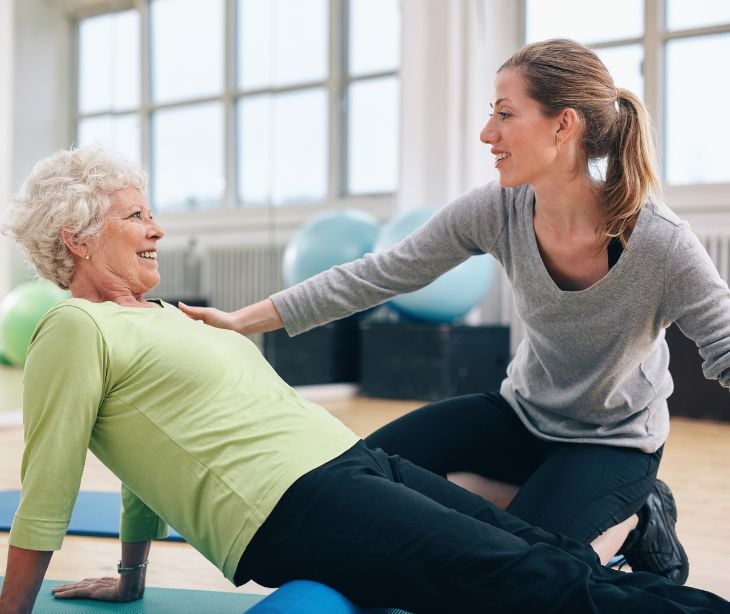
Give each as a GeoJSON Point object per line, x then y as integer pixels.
{"type": "Point", "coordinates": [70, 190]}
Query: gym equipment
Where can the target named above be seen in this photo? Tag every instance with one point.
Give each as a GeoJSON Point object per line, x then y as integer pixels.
{"type": "Point", "coordinates": [20, 311]}
{"type": "Point", "coordinates": [307, 597]}
{"type": "Point", "coordinates": [429, 361]}
{"type": "Point", "coordinates": [95, 514]}
{"type": "Point", "coordinates": [451, 296]}
{"type": "Point", "coordinates": [326, 240]}
{"type": "Point", "coordinates": [4, 360]}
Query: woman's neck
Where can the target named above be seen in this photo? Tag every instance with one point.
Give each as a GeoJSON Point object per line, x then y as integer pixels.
{"type": "Point", "coordinates": [121, 296]}
{"type": "Point", "coordinates": [569, 208]}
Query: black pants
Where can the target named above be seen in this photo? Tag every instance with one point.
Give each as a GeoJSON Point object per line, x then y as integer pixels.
{"type": "Point", "coordinates": [387, 533]}
{"type": "Point", "coordinates": [579, 490]}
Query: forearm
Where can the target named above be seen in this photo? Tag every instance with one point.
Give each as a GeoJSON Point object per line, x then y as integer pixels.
{"type": "Point", "coordinates": [261, 317]}
{"type": "Point", "coordinates": [23, 579]}
{"type": "Point", "coordinates": [134, 555]}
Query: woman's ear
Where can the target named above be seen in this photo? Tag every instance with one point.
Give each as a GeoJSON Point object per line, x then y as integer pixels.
{"type": "Point", "coordinates": [568, 124]}
{"type": "Point", "coordinates": [70, 239]}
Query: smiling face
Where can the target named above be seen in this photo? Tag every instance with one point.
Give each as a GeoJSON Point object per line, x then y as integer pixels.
{"type": "Point", "coordinates": [522, 138]}
{"type": "Point", "coordinates": [124, 257]}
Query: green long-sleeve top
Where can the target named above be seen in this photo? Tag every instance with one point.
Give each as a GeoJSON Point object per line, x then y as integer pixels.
{"type": "Point", "coordinates": [199, 428]}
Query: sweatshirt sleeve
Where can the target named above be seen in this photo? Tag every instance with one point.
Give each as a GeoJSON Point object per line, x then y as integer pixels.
{"type": "Point", "coordinates": [698, 300]}
{"type": "Point", "coordinates": [468, 226]}
{"type": "Point", "coordinates": [64, 382]}
{"type": "Point", "coordinates": [138, 522]}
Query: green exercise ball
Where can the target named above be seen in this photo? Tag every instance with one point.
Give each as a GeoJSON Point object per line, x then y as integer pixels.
{"type": "Point", "coordinates": [4, 360]}
{"type": "Point", "coordinates": [20, 312]}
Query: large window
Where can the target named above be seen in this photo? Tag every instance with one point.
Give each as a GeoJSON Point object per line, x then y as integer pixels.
{"type": "Point", "coordinates": [672, 53]}
{"type": "Point", "coordinates": [246, 102]}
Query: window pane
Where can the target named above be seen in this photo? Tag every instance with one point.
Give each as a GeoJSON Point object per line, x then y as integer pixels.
{"type": "Point", "coordinates": [187, 157]}
{"type": "Point", "coordinates": [372, 152]}
{"type": "Point", "coordinates": [187, 48]}
{"type": "Point", "coordinates": [683, 14]}
{"type": "Point", "coordinates": [625, 65]}
{"type": "Point", "coordinates": [374, 30]}
{"type": "Point", "coordinates": [282, 42]}
{"type": "Point", "coordinates": [300, 146]}
{"type": "Point", "coordinates": [283, 147]}
{"type": "Point", "coordinates": [255, 132]}
{"type": "Point", "coordinates": [587, 22]}
{"type": "Point", "coordinates": [696, 107]}
{"type": "Point", "coordinates": [255, 52]}
{"type": "Point", "coordinates": [119, 132]}
{"type": "Point", "coordinates": [109, 62]}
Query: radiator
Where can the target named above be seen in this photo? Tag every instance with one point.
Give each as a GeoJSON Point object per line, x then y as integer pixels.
{"type": "Point", "coordinates": [227, 276]}
{"type": "Point", "coordinates": [179, 273]}
{"type": "Point", "coordinates": [234, 276]}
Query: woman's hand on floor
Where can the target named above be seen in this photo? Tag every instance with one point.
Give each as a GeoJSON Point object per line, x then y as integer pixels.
{"type": "Point", "coordinates": [101, 589]}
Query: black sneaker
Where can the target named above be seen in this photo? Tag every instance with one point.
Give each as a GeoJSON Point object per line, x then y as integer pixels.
{"type": "Point", "coordinates": [654, 546]}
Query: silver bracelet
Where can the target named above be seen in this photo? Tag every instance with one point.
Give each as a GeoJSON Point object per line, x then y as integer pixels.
{"type": "Point", "coordinates": [121, 569]}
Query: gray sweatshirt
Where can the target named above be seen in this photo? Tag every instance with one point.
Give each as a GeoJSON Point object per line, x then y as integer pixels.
{"type": "Point", "coordinates": [593, 366]}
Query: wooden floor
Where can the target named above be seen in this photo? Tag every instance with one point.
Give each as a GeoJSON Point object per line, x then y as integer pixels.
{"type": "Point", "coordinates": [696, 464]}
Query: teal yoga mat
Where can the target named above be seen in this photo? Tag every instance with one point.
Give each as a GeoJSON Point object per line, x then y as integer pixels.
{"type": "Point", "coordinates": [95, 514]}
{"type": "Point", "coordinates": [155, 601]}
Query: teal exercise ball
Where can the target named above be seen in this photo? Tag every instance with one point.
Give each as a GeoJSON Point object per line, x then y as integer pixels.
{"type": "Point", "coordinates": [451, 296]}
{"type": "Point", "coordinates": [20, 311]}
{"type": "Point", "coordinates": [328, 239]}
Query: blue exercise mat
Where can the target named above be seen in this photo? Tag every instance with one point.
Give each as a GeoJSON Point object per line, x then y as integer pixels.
{"type": "Point", "coordinates": [298, 597]}
{"type": "Point", "coordinates": [155, 601]}
{"type": "Point", "coordinates": [95, 514]}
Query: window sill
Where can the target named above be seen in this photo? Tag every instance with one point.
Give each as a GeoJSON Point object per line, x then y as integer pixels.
{"type": "Point", "coordinates": [698, 198]}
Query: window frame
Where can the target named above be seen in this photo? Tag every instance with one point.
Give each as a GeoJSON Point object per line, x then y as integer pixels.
{"type": "Point", "coordinates": [695, 197]}
{"type": "Point", "coordinates": [231, 212]}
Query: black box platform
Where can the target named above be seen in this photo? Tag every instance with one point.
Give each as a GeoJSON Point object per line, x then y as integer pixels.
{"type": "Point", "coordinates": [325, 355]}
{"type": "Point", "coordinates": [693, 396]}
{"type": "Point", "coordinates": [400, 360]}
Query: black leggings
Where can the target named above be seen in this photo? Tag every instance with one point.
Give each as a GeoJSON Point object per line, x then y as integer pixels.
{"type": "Point", "coordinates": [578, 490]}
{"type": "Point", "coordinates": [387, 533]}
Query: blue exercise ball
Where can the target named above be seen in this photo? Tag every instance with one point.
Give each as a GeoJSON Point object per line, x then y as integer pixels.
{"type": "Point", "coordinates": [451, 296]}
{"type": "Point", "coordinates": [20, 311]}
{"type": "Point", "coordinates": [328, 239]}
{"type": "Point", "coordinates": [306, 597]}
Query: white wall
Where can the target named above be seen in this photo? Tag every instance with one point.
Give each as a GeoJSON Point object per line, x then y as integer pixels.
{"type": "Point", "coordinates": [34, 111]}
{"type": "Point", "coordinates": [42, 85]}
{"type": "Point", "coordinates": [6, 140]}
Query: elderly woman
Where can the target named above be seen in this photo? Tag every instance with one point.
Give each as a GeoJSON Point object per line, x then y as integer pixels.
{"type": "Point", "coordinates": [205, 437]}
